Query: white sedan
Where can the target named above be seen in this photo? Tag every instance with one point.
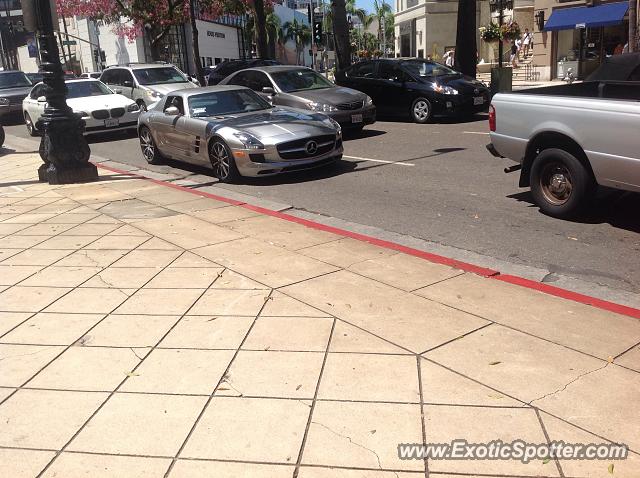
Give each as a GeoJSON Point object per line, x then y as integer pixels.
{"type": "Point", "coordinates": [101, 108]}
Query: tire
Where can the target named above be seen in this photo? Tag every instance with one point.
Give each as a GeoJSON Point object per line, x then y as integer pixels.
{"type": "Point", "coordinates": [561, 185]}
{"type": "Point", "coordinates": [222, 162]}
{"type": "Point", "coordinates": [421, 110]}
{"type": "Point", "coordinates": [148, 147]}
{"type": "Point", "coordinates": [31, 128]}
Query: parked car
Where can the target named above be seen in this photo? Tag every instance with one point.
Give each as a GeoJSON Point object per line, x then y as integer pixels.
{"type": "Point", "coordinates": [91, 74]}
{"type": "Point", "coordinates": [14, 87]}
{"type": "Point", "coordinates": [237, 132]}
{"type": "Point", "coordinates": [224, 69]}
{"type": "Point", "coordinates": [100, 108]}
{"type": "Point", "coordinates": [416, 88]}
{"type": "Point", "coordinates": [556, 134]}
{"type": "Point", "coordinates": [300, 87]}
{"type": "Point", "coordinates": [618, 68]}
{"type": "Point", "coordinates": [145, 83]}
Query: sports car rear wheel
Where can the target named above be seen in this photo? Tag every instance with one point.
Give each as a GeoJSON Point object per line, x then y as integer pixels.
{"type": "Point", "coordinates": [224, 166]}
{"type": "Point", "coordinates": [148, 147]}
{"type": "Point", "coordinates": [31, 128]}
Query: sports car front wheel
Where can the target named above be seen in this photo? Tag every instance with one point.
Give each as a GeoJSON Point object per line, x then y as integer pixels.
{"type": "Point", "coordinates": [224, 166]}
{"type": "Point", "coordinates": [148, 147]}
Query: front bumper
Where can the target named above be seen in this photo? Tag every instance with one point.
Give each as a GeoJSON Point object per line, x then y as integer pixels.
{"type": "Point", "coordinates": [461, 104]}
{"type": "Point", "coordinates": [128, 121]}
{"type": "Point", "coordinates": [9, 110]}
{"type": "Point", "coordinates": [345, 117]}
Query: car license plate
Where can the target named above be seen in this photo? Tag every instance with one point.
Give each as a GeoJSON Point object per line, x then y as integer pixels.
{"type": "Point", "coordinates": [356, 118]}
{"type": "Point", "coordinates": [478, 100]}
{"type": "Point", "coordinates": [111, 123]}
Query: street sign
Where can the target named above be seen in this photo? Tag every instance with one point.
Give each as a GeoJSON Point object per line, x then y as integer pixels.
{"type": "Point", "coordinates": [69, 42]}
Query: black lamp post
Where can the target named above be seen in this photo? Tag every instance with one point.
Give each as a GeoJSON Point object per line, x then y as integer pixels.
{"type": "Point", "coordinates": [63, 147]}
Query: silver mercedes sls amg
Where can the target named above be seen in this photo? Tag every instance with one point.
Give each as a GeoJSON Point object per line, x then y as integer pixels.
{"type": "Point", "coordinates": [237, 132]}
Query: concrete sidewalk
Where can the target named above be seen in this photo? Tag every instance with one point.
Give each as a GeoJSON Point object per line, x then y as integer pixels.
{"type": "Point", "coordinates": [146, 332]}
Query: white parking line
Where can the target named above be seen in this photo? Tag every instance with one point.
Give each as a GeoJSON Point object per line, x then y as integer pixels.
{"type": "Point", "coordinates": [474, 132]}
{"type": "Point", "coordinates": [399, 163]}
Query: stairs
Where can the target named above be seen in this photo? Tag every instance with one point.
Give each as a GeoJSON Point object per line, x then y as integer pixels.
{"type": "Point", "coordinates": [523, 75]}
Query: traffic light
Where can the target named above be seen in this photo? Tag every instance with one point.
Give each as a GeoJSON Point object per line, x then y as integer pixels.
{"type": "Point", "coordinates": [317, 32]}
{"type": "Point", "coordinates": [96, 56]}
{"type": "Point", "coordinates": [103, 56]}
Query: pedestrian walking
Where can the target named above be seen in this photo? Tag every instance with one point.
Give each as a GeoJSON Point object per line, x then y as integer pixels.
{"type": "Point", "coordinates": [449, 58]}
{"type": "Point", "coordinates": [514, 55]}
{"type": "Point", "coordinates": [527, 40]}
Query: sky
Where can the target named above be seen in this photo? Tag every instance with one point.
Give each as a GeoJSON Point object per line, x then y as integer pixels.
{"type": "Point", "coordinates": [368, 4]}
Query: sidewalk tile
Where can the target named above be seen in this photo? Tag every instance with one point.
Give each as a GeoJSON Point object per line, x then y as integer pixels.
{"type": "Point", "coordinates": [130, 231]}
{"type": "Point", "coordinates": [363, 435]}
{"type": "Point", "coordinates": [186, 231]}
{"type": "Point", "coordinates": [562, 321]}
{"type": "Point", "coordinates": [28, 218]}
{"type": "Point", "coordinates": [347, 338]}
{"type": "Point", "coordinates": [130, 330]}
{"type": "Point", "coordinates": [35, 257]}
{"type": "Point", "coordinates": [122, 277]}
{"type": "Point", "coordinates": [42, 229]}
{"type": "Point", "coordinates": [111, 241]}
{"type": "Point", "coordinates": [89, 258]}
{"type": "Point", "coordinates": [11, 275]}
{"type": "Point", "coordinates": [443, 424]}
{"type": "Point", "coordinates": [403, 271]}
{"type": "Point", "coordinates": [133, 210]}
{"type": "Point", "coordinates": [66, 242]}
{"type": "Point", "coordinates": [273, 374]}
{"type": "Point", "coordinates": [281, 233]}
{"type": "Point", "coordinates": [18, 363]}
{"type": "Point", "coordinates": [4, 393]}
{"type": "Point", "coordinates": [583, 401]}
{"type": "Point", "coordinates": [559, 430]}
{"type": "Point", "coordinates": [289, 333]}
{"type": "Point", "coordinates": [195, 205]}
{"type": "Point", "coordinates": [8, 253]}
{"type": "Point", "coordinates": [23, 463]}
{"type": "Point", "coordinates": [29, 423]}
{"type": "Point", "coordinates": [525, 367]}
{"type": "Point", "coordinates": [270, 265]}
{"type": "Point", "coordinates": [443, 386]}
{"type": "Point", "coordinates": [147, 259]}
{"type": "Point", "coordinates": [97, 369]}
{"type": "Point", "coordinates": [225, 214]}
{"type": "Point", "coordinates": [345, 252]}
{"type": "Point", "coordinates": [140, 424]}
{"type": "Point", "coordinates": [631, 359]}
{"type": "Point", "coordinates": [167, 196]}
{"type": "Point", "coordinates": [318, 472]}
{"type": "Point", "coordinates": [91, 230]}
{"type": "Point", "coordinates": [179, 371]}
{"type": "Point", "coordinates": [267, 430]}
{"type": "Point", "coordinates": [71, 218]}
{"type": "Point", "coordinates": [280, 305]}
{"type": "Point", "coordinates": [370, 377]}
{"type": "Point", "coordinates": [233, 280]}
{"type": "Point", "coordinates": [93, 194]}
{"type": "Point", "coordinates": [189, 259]}
{"type": "Point", "coordinates": [6, 228]}
{"type": "Point", "coordinates": [160, 301]}
{"type": "Point", "coordinates": [223, 469]}
{"type": "Point", "coordinates": [185, 278]}
{"type": "Point", "coordinates": [230, 302]}
{"type": "Point", "coordinates": [22, 242]}
{"type": "Point", "coordinates": [139, 187]}
{"type": "Point", "coordinates": [75, 465]}
{"type": "Point", "coordinates": [403, 318]}
{"type": "Point", "coordinates": [87, 301]}
{"type": "Point", "coordinates": [61, 276]}
{"type": "Point", "coordinates": [208, 332]}
{"type": "Point", "coordinates": [29, 299]}
{"type": "Point", "coordinates": [156, 244]}
{"type": "Point", "coordinates": [9, 320]}
{"type": "Point", "coordinates": [52, 329]}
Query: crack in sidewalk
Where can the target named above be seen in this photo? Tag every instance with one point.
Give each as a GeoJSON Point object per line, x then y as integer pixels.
{"type": "Point", "coordinates": [569, 383]}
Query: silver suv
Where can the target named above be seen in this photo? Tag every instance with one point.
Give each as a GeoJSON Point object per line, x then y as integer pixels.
{"type": "Point", "coordinates": [145, 83]}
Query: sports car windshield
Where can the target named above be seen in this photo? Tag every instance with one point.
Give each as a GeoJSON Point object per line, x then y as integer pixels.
{"type": "Point", "coordinates": [13, 80]}
{"type": "Point", "coordinates": [427, 68]}
{"type": "Point", "coordinates": [221, 103]}
{"type": "Point", "coordinates": [159, 76]}
{"type": "Point", "coordinates": [80, 89]}
{"type": "Point", "coordinates": [300, 80]}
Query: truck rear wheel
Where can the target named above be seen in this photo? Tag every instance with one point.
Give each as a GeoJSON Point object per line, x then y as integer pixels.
{"type": "Point", "coordinates": [561, 185]}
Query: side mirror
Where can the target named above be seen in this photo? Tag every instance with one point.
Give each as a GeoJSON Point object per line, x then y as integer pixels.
{"type": "Point", "coordinates": [172, 111]}
{"type": "Point", "coordinates": [127, 84]}
{"type": "Point", "coordinates": [42, 99]}
{"type": "Point", "coordinates": [267, 90]}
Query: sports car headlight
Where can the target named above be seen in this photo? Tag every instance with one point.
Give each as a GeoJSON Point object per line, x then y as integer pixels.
{"type": "Point", "coordinates": [323, 107]}
{"type": "Point", "coordinates": [368, 101]}
{"type": "Point", "coordinates": [4, 101]}
{"type": "Point", "coordinates": [445, 90]}
{"type": "Point", "coordinates": [333, 123]}
{"type": "Point", "coordinates": [154, 94]}
{"type": "Point", "coordinates": [133, 108]}
{"type": "Point", "coordinates": [249, 141]}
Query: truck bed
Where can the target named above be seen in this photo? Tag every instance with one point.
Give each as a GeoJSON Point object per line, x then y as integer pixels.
{"type": "Point", "coordinates": [611, 90]}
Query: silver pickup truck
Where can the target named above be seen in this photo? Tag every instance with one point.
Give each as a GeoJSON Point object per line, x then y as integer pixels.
{"type": "Point", "coordinates": [570, 139]}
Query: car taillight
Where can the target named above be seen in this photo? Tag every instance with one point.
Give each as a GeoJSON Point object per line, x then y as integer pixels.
{"type": "Point", "coordinates": [492, 118]}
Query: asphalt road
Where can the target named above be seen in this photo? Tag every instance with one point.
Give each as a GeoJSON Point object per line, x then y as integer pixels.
{"type": "Point", "coordinates": [437, 182]}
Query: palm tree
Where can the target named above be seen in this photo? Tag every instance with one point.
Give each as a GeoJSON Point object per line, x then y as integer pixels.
{"type": "Point", "coordinates": [341, 33]}
{"type": "Point", "coordinates": [381, 10]}
{"type": "Point", "coordinates": [350, 7]}
{"type": "Point", "coordinates": [261, 31]}
{"type": "Point", "coordinates": [275, 33]}
{"type": "Point", "coordinates": [300, 34]}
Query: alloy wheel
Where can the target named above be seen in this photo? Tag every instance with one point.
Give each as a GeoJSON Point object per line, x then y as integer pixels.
{"type": "Point", "coordinates": [421, 110]}
{"type": "Point", "coordinates": [220, 160]}
{"type": "Point", "coordinates": [556, 183]}
{"type": "Point", "coordinates": [147, 146]}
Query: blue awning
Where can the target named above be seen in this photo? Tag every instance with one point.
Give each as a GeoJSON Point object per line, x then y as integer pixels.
{"type": "Point", "coordinates": [581, 17]}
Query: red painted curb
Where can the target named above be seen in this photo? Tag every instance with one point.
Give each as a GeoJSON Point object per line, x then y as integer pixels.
{"type": "Point", "coordinates": [464, 266]}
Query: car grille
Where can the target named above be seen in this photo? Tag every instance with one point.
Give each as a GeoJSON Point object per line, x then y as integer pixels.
{"type": "Point", "coordinates": [354, 105]}
{"type": "Point", "coordinates": [16, 100]}
{"type": "Point", "coordinates": [101, 114]}
{"type": "Point", "coordinates": [298, 149]}
{"type": "Point", "coordinates": [117, 112]}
